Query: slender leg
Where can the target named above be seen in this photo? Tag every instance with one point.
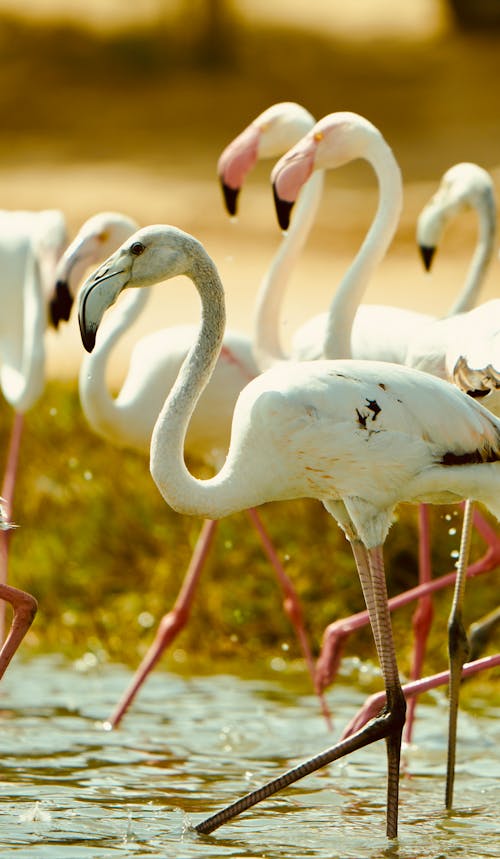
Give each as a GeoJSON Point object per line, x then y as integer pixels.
{"type": "Point", "coordinates": [376, 702]}
{"type": "Point", "coordinates": [291, 604]}
{"type": "Point", "coordinates": [422, 618]}
{"type": "Point", "coordinates": [389, 725]}
{"type": "Point", "coordinates": [25, 608]}
{"type": "Point", "coordinates": [171, 623]}
{"type": "Point", "coordinates": [9, 482]}
{"type": "Point", "coordinates": [458, 648]}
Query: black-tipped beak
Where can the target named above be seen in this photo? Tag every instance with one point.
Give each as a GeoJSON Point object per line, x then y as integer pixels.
{"type": "Point", "coordinates": [283, 210]}
{"type": "Point", "coordinates": [230, 198]}
{"type": "Point", "coordinates": [427, 254]}
{"type": "Point", "coordinates": [60, 306]}
{"type": "Point", "coordinates": [88, 338]}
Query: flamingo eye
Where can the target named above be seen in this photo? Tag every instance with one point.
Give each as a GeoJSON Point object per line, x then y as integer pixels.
{"type": "Point", "coordinates": [137, 248]}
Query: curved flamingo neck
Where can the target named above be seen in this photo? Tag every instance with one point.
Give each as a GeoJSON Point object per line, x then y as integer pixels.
{"type": "Point", "coordinates": [482, 257]}
{"type": "Point", "coordinates": [100, 408]}
{"type": "Point", "coordinates": [267, 341]}
{"type": "Point", "coordinates": [224, 493]}
{"type": "Point", "coordinates": [22, 372]}
{"type": "Point", "coordinates": [348, 296]}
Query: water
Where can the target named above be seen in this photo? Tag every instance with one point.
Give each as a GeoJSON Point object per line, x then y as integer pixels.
{"type": "Point", "coordinates": [71, 789]}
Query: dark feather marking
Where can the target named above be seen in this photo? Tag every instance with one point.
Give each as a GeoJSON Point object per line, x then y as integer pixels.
{"type": "Point", "coordinates": [471, 458]}
{"type": "Point", "coordinates": [374, 407]}
{"type": "Point", "coordinates": [478, 393]}
{"type": "Point", "coordinates": [361, 418]}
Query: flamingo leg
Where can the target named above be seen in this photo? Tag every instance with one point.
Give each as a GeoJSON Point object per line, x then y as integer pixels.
{"type": "Point", "coordinates": [291, 604]}
{"type": "Point", "coordinates": [171, 623]}
{"type": "Point", "coordinates": [458, 648]}
{"type": "Point", "coordinates": [389, 725]}
{"type": "Point", "coordinates": [25, 608]}
{"type": "Point", "coordinates": [8, 486]}
{"type": "Point", "coordinates": [422, 618]}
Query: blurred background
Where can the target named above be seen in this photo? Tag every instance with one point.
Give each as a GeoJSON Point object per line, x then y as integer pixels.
{"type": "Point", "coordinates": [112, 105]}
{"type": "Point", "coordinates": [107, 104]}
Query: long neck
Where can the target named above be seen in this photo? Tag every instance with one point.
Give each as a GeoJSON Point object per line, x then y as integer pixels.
{"type": "Point", "coordinates": [482, 257]}
{"type": "Point", "coordinates": [267, 342]}
{"type": "Point", "coordinates": [222, 494]}
{"type": "Point", "coordinates": [101, 409]}
{"type": "Point", "coordinates": [354, 283]}
{"type": "Point", "coordinates": [22, 373]}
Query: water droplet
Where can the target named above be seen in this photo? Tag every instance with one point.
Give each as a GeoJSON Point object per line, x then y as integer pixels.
{"type": "Point", "coordinates": [285, 646]}
{"type": "Point", "coordinates": [87, 475]}
{"type": "Point", "coordinates": [145, 619]}
{"type": "Point", "coordinates": [278, 664]}
{"type": "Point", "coordinates": [455, 553]}
{"type": "Point", "coordinates": [452, 531]}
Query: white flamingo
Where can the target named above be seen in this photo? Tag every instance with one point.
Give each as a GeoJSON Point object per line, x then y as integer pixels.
{"type": "Point", "coordinates": [464, 186]}
{"type": "Point", "coordinates": [128, 419]}
{"type": "Point", "coordinates": [360, 436]}
{"type": "Point", "coordinates": [30, 244]}
{"type": "Point", "coordinates": [24, 607]}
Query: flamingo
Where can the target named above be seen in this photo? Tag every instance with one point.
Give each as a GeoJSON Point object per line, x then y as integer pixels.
{"type": "Point", "coordinates": [129, 418]}
{"type": "Point", "coordinates": [360, 436]}
{"type": "Point", "coordinates": [30, 244]}
{"type": "Point", "coordinates": [24, 607]}
{"type": "Point", "coordinates": [340, 319]}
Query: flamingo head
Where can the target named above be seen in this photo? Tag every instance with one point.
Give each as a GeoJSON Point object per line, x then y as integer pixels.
{"type": "Point", "coordinates": [150, 255]}
{"type": "Point", "coordinates": [462, 187]}
{"type": "Point", "coordinates": [99, 236]}
{"type": "Point", "coordinates": [335, 140]}
{"type": "Point", "coordinates": [268, 136]}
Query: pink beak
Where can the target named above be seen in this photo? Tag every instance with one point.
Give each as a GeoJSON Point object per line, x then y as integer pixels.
{"type": "Point", "coordinates": [289, 175]}
{"type": "Point", "coordinates": [235, 162]}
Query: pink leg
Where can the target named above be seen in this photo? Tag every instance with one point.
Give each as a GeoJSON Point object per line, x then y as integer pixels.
{"type": "Point", "coordinates": [171, 623]}
{"type": "Point", "coordinates": [336, 632]}
{"type": "Point", "coordinates": [291, 604]}
{"type": "Point", "coordinates": [25, 608]}
{"type": "Point", "coordinates": [374, 704]}
{"type": "Point", "coordinates": [9, 482]}
{"type": "Point", "coordinates": [422, 618]}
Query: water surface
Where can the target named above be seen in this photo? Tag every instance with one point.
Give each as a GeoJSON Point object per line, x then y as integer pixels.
{"type": "Point", "coordinates": [71, 789]}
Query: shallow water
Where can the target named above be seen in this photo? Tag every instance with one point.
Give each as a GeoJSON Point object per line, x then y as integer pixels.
{"type": "Point", "coordinates": [71, 789]}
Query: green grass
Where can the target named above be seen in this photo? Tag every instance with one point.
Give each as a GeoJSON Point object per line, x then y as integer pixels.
{"type": "Point", "coordinates": [98, 547]}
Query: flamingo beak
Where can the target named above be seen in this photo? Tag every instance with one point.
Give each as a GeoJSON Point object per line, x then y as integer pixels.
{"type": "Point", "coordinates": [99, 292]}
{"type": "Point", "coordinates": [289, 175]}
{"type": "Point", "coordinates": [60, 304]}
{"type": "Point", "coordinates": [427, 253]}
{"type": "Point", "coordinates": [235, 162]}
